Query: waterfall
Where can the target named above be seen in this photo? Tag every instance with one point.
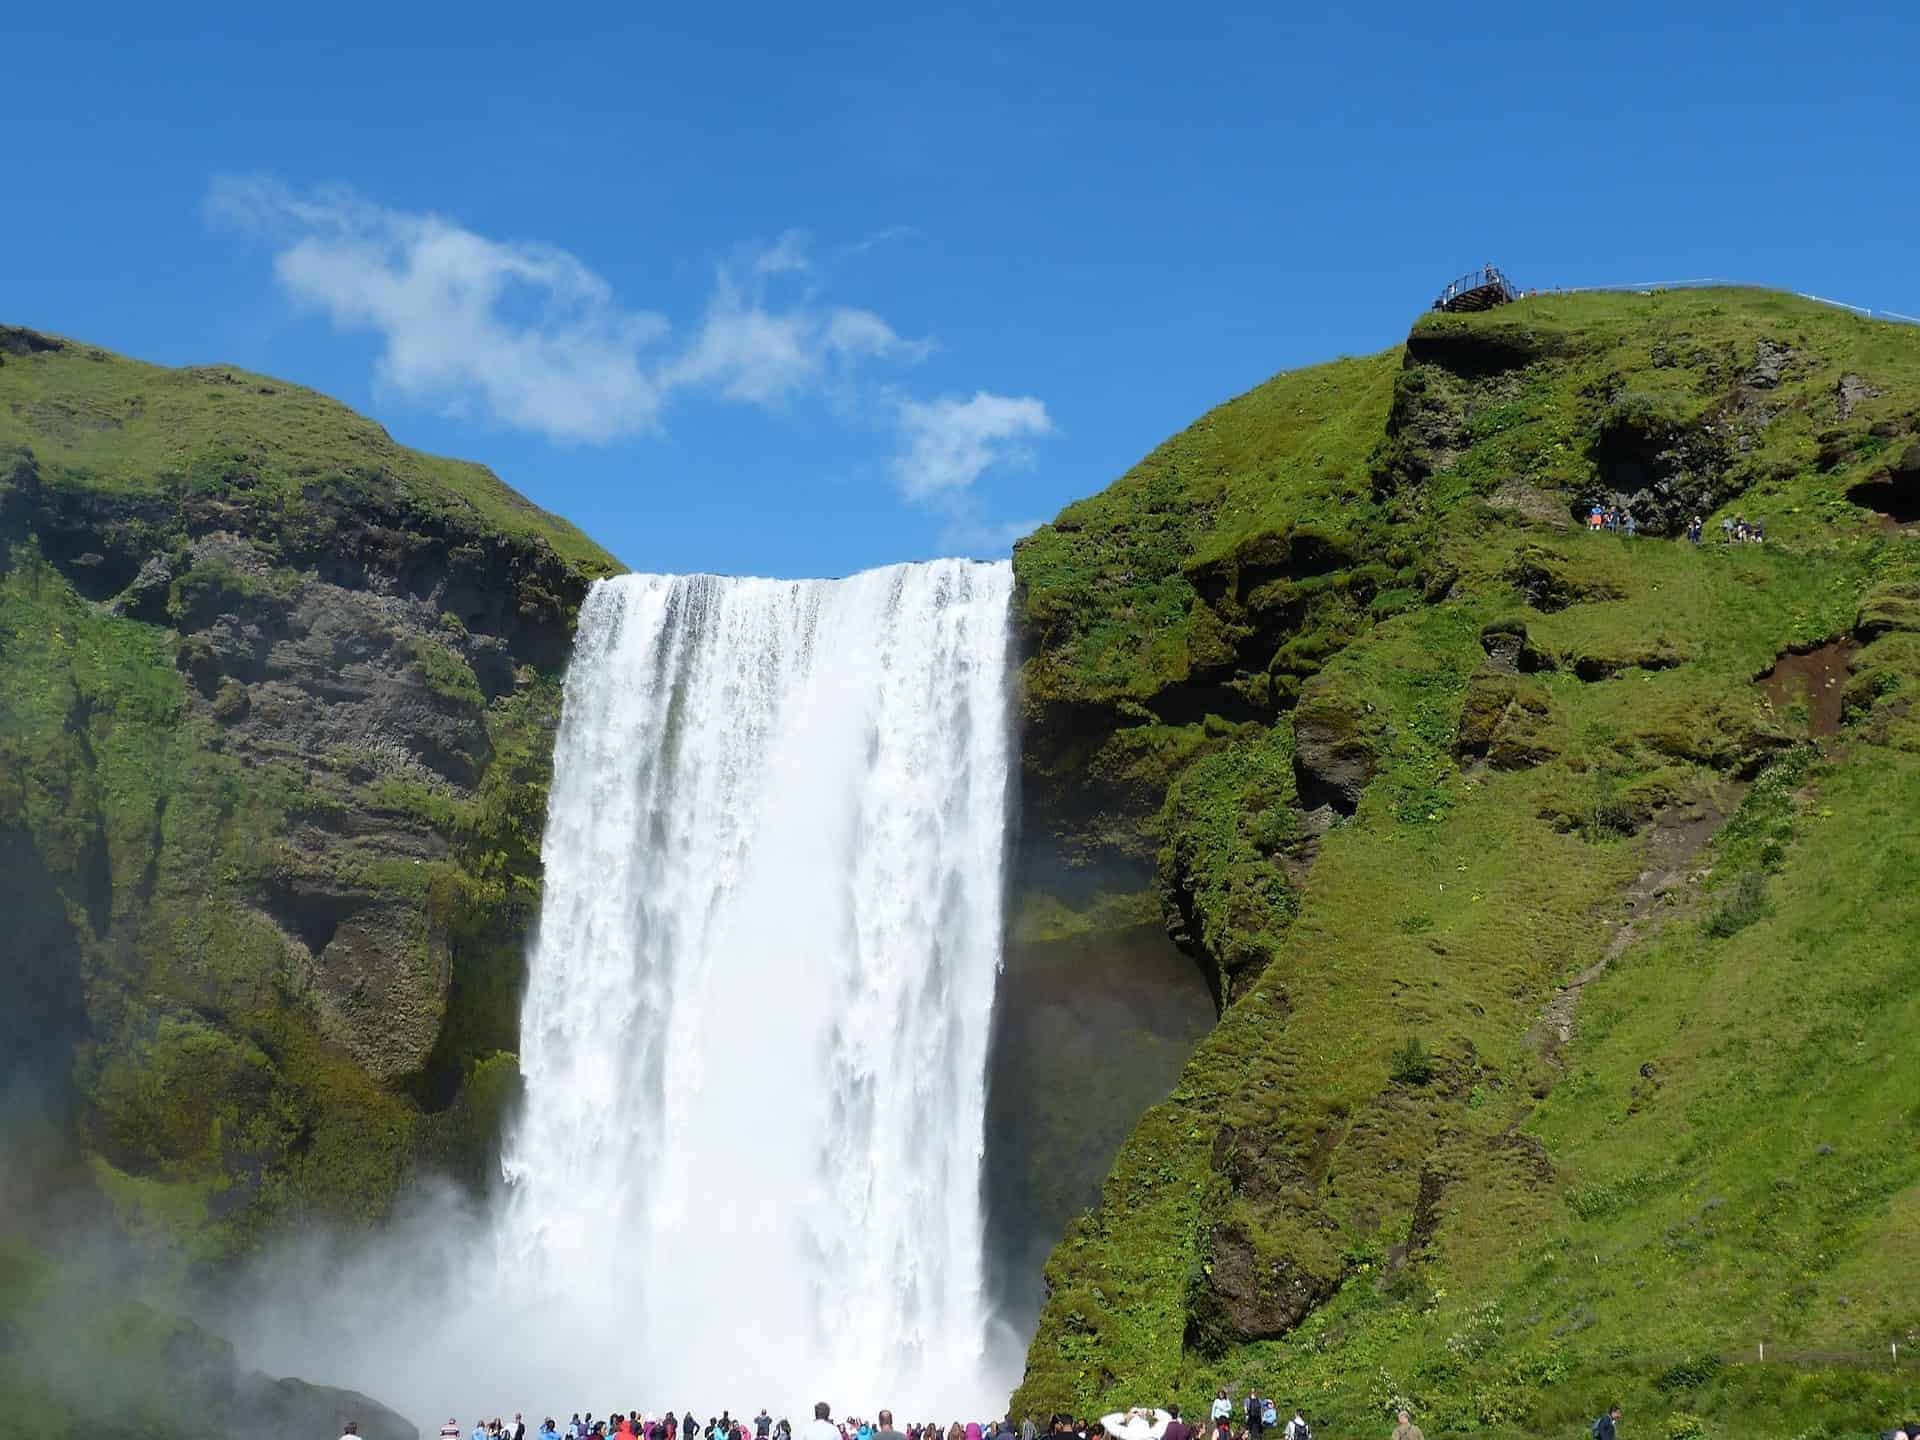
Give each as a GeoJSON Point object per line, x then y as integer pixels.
{"type": "Point", "coordinates": [754, 1039]}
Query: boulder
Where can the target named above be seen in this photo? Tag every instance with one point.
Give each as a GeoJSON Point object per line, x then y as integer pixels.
{"type": "Point", "coordinates": [1336, 750]}
{"type": "Point", "coordinates": [1887, 608]}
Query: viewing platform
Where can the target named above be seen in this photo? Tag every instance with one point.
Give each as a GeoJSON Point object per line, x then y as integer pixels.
{"type": "Point", "coordinates": [1477, 290]}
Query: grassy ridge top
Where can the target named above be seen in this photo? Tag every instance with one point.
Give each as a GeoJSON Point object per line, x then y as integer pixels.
{"type": "Point", "coordinates": [1108, 585]}
{"type": "Point", "coordinates": [1567, 1066]}
{"type": "Point", "coordinates": [107, 422]}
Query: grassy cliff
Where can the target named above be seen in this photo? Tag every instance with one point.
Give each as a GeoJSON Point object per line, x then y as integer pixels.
{"type": "Point", "coordinates": [1568, 970]}
{"type": "Point", "coordinates": [274, 742]}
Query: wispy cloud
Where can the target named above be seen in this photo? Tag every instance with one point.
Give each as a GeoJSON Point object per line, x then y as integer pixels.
{"type": "Point", "coordinates": [533, 336]}
{"type": "Point", "coordinates": [949, 443]}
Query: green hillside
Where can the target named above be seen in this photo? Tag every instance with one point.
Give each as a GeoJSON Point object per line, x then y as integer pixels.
{"type": "Point", "coordinates": [1571, 973]}
{"type": "Point", "coordinates": [274, 738]}
{"type": "Point", "coordinates": [106, 422]}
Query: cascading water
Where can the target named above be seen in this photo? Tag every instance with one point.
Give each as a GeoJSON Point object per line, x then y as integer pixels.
{"type": "Point", "coordinates": [755, 1034]}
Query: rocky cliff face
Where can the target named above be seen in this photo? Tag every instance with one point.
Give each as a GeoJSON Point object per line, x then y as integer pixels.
{"type": "Point", "coordinates": [273, 750]}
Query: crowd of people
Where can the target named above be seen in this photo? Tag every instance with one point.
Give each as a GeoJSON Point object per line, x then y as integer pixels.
{"type": "Point", "coordinates": [1734, 529]}
{"type": "Point", "coordinates": [1227, 1419]}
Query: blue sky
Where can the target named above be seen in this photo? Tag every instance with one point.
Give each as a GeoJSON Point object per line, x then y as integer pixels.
{"type": "Point", "coordinates": [797, 290]}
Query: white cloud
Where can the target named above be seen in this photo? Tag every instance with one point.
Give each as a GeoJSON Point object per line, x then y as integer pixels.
{"type": "Point", "coordinates": [530, 333]}
{"type": "Point", "coordinates": [949, 443]}
{"type": "Point", "coordinates": [748, 352]}
{"type": "Point", "coordinates": [787, 253]}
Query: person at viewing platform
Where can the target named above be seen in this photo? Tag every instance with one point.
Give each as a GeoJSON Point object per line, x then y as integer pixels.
{"type": "Point", "coordinates": [821, 1426]}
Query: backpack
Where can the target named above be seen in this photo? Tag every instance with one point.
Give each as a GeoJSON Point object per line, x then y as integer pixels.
{"type": "Point", "coordinates": [1596, 1426]}
{"type": "Point", "coordinates": [1268, 1415]}
{"type": "Point", "coordinates": [1302, 1430]}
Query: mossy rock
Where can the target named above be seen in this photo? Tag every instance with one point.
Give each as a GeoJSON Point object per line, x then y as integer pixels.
{"type": "Point", "coordinates": [1336, 748]}
{"type": "Point", "coordinates": [1888, 608]}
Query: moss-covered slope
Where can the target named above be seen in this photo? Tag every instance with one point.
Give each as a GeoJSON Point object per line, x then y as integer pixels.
{"type": "Point", "coordinates": [1569, 971]}
{"type": "Point", "coordinates": [274, 736]}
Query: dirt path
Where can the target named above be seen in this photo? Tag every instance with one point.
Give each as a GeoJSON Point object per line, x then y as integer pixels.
{"type": "Point", "coordinates": [1653, 897]}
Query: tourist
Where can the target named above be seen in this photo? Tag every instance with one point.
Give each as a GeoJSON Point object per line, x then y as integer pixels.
{"type": "Point", "coordinates": [886, 1430]}
{"type": "Point", "coordinates": [821, 1426]}
{"type": "Point", "coordinates": [1256, 1415]}
{"type": "Point", "coordinates": [1177, 1429]}
{"type": "Point", "coordinates": [1607, 1427]}
{"type": "Point", "coordinates": [763, 1424]}
{"type": "Point", "coordinates": [519, 1427]}
{"type": "Point", "coordinates": [1029, 1430]}
{"type": "Point", "coordinates": [1297, 1427]}
{"type": "Point", "coordinates": [450, 1430]}
{"type": "Point", "coordinates": [480, 1431]}
{"type": "Point", "coordinates": [1726, 529]}
{"type": "Point", "coordinates": [350, 1431]}
{"type": "Point", "coordinates": [1406, 1429]}
{"type": "Point", "coordinates": [1222, 1406]}
{"type": "Point", "coordinates": [1693, 530]}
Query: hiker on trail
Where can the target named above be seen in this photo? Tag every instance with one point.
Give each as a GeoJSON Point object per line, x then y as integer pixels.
{"type": "Point", "coordinates": [1607, 1426]}
{"type": "Point", "coordinates": [1693, 530]}
{"type": "Point", "coordinates": [1222, 1406]}
{"type": "Point", "coordinates": [1406, 1429]}
{"type": "Point", "coordinates": [1256, 1424]}
{"type": "Point", "coordinates": [1297, 1427]}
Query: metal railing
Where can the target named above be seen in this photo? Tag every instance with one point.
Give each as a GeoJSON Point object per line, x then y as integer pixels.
{"type": "Point", "coordinates": [1483, 278]}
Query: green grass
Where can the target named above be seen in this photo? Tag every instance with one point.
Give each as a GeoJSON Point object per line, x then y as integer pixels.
{"type": "Point", "coordinates": [105, 422]}
{"type": "Point", "coordinates": [1508, 1233]}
